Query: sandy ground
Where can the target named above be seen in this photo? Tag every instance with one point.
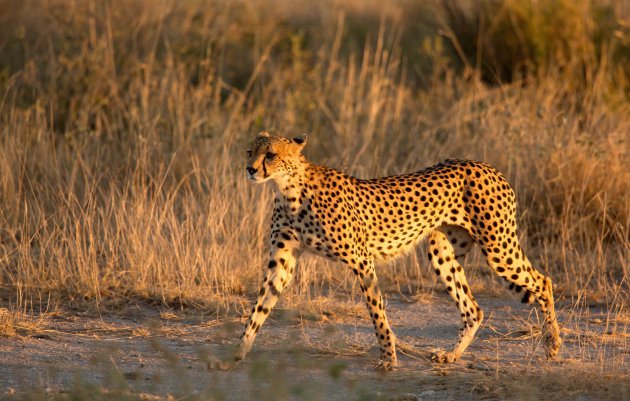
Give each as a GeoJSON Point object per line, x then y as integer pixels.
{"type": "Point", "coordinates": [149, 354]}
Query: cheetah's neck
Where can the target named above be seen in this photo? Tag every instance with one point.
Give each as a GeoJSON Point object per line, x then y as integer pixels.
{"type": "Point", "coordinates": [289, 187]}
{"type": "Point", "coordinates": [292, 188]}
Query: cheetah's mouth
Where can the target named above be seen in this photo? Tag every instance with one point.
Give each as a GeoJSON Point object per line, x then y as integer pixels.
{"type": "Point", "coordinates": [257, 179]}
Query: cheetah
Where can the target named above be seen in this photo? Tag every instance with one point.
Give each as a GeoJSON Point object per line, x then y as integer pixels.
{"type": "Point", "coordinates": [456, 203]}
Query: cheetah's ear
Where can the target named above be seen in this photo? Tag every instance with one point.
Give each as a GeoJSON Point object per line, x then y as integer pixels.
{"type": "Point", "coordinates": [263, 134]}
{"type": "Point", "coordinates": [300, 140]}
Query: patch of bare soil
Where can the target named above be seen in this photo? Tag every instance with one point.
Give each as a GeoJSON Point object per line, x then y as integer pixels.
{"type": "Point", "coordinates": [141, 353]}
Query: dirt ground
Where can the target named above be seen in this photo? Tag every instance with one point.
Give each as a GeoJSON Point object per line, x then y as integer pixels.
{"type": "Point", "coordinates": [143, 353]}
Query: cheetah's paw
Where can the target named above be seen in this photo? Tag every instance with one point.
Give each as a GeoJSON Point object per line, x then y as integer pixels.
{"type": "Point", "coordinates": [552, 345]}
{"type": "Point", "coordinates": [443, 356]}
{"type": "Point", "coordinates": [219, 364]}
{"type": "Point", "coordinates": [386, 366]}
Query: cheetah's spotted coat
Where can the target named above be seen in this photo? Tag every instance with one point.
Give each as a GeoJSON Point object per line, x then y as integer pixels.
{"type": "Point", "coordinates": [456, 203]}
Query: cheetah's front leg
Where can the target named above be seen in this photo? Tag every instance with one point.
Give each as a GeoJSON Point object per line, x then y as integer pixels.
{"type": "Point", "coordinates": [284, 254]}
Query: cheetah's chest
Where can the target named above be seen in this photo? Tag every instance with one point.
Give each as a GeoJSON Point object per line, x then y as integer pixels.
{"type": "Point", "coordinates": [327, 229]}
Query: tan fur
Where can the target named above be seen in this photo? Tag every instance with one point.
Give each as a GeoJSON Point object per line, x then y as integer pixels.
{"type": "Point", "coordinates": [457, 204]}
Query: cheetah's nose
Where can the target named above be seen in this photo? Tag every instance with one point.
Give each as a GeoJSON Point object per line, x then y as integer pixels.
{"type": "Point", "coordinates": [251, 170]}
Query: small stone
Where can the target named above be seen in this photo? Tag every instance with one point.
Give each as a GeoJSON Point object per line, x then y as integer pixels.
{"type": "Point", "coordinates": [132, 375]}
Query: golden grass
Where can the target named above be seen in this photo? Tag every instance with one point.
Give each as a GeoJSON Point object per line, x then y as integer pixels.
{"type": "Point", "coordinates": [123, 127]}
{"type": "Point", "coordinates": [16, 323]}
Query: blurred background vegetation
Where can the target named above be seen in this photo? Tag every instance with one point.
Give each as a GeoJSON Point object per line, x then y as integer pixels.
{"type": "Point", "coordinates": [123, 126]}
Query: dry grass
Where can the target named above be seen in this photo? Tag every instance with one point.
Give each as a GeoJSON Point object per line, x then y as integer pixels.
{"type": "Point", "coordinates": [16, 323]}
{"type": "Point", "coordinates": [123, 126]}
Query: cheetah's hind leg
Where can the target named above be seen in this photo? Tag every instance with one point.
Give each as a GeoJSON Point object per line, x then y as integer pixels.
{"type": "Point", "coordinates": [525, 279]}
{"type": "Point", "coordinates": [448, 245]}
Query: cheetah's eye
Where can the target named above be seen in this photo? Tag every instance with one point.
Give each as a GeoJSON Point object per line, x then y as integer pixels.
{"type": "Point", "coordinates": [249, 153]}
{"type": "Point", "coordinates": [270, 155]}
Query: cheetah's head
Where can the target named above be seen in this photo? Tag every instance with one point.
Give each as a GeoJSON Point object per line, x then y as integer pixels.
{"type": "Point", "coordinates": [272, 157]}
